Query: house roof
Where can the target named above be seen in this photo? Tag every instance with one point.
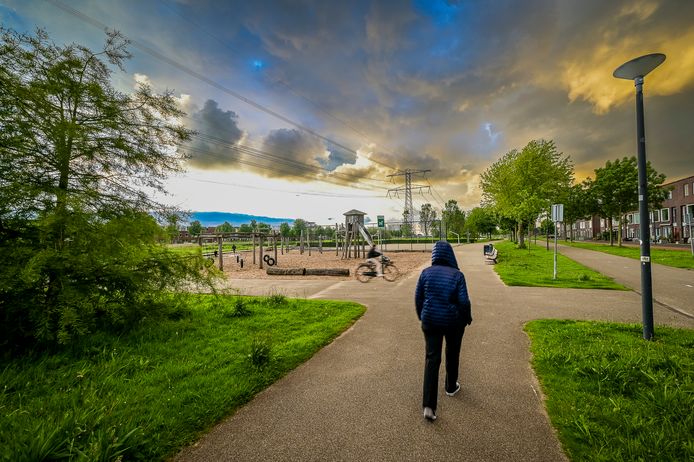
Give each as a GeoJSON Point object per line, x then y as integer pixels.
{"type": "Point", "coordinates": [353, 212]}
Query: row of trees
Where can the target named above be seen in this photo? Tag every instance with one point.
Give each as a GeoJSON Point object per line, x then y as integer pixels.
{"type": "Point", "coordinates": [521, 187]}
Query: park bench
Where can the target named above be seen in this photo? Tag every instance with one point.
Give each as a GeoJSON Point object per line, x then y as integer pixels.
{"type": "Point", "coordinates": [490, 254]}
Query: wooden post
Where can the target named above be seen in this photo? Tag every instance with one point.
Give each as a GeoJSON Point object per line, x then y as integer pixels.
{"type": "Point", "coordinates": [337, 242]}
{"type": "Point", "coordinates": [274, 244]}
{"type": "Point", "coordinates": [301, 242]}
{"type": "Point", "coordinates": [308, 238]}
{"type": "Point", "coordinates": [260, 252]}
{"type": "Point", "coordinates": [221, 257]}
{"type": "Point", "coordinates": [320, 244]}
{"type": "Point", "coordinates": [254, 248]}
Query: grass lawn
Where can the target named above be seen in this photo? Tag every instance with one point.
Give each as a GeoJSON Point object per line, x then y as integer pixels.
{"type": "Point", "coordinates": [145, 395]}
{"type": "Point", "coordinates": [612, 395]}
{"type": "Point", "coordinates": [663, 256]}
{"type": "Point", "coordinates": [535, 268]}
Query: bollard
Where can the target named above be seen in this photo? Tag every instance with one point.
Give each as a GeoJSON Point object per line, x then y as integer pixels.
{"type": "Point", "coordinates": [242, 263]}
{"type": "Point", "coordinates": [237, 259]}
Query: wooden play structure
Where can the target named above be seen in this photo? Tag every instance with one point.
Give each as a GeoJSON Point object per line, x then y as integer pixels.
{"type": "Point", "coordinates": [258, 240]}
{"type": "Point", "coordinates": [353, 237]}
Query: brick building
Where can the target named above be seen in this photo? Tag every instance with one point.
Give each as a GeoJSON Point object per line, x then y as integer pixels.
{"type": "Point", "coordinates": [671, 221]}
{"type": "Point", "coordinates": [668, 223]}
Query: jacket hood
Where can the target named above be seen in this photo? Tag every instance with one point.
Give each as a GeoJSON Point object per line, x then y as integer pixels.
{"type": "Point", "coordinates": [443, 255]}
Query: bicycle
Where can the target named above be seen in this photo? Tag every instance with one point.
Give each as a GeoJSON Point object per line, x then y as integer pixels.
{"type": "Point", "coordinates": [367, 270]}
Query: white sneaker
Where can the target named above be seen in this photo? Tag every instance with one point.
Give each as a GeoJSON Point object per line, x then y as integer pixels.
{"type": "Point", "coordinates": [457, 389]}
{"type": "Point", "coordinates": [429, 414]}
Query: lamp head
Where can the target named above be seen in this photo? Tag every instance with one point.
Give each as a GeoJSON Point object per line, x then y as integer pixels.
{"type": "Point", "coordinates": [639, 67]}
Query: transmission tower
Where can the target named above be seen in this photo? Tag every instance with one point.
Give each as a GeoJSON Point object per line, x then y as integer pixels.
{"type": "Point", "coordinates": [409, 209]}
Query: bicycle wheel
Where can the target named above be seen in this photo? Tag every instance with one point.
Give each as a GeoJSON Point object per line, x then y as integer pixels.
{"type": "Point", "coordinates": [390, 273]}
{"type": "Point", "coordinates": [364, 272]}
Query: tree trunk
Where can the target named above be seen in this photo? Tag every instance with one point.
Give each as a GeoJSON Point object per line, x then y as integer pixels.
{"type": "Point", "coordinates": [609, 230]}
{"type": "Point", "coordinates": [521, 236]}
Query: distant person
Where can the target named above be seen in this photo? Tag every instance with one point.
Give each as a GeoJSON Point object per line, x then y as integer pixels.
{"type": "Point", "coordinates": [443, 307]}
{"type": "Point", "coordinates": [374, 257]}
{"type": "Point", "coordinates": [233, 248]}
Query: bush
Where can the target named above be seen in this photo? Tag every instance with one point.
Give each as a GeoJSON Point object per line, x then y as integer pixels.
{"type": "Point", "coordinates": [109, 276]}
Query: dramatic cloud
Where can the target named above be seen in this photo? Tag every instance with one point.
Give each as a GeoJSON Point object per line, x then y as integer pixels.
{"type": "Point", "coordinates": [289, 153]}
{"type": "Point", "coordinates": [215, 144]}
{"type": "Point", "coordinates": [443, 85]}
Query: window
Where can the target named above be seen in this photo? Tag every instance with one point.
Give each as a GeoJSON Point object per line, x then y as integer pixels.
{"type": "Point", "coordinates": [637, 219]}
{"type": "Point", "coordinates": [669, 194]}
{"type": "Point", "coordinates": [665, 215]}
{"type": "Point", "coordinates": [686, 189]}
{"type": "Point", "coordinates": [630, 219]}
{"type": "Point", "coordinates": [656, 215]}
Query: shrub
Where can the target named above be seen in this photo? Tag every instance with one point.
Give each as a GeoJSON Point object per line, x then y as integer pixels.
{"type": "Point", "coordinates": [261, 352]}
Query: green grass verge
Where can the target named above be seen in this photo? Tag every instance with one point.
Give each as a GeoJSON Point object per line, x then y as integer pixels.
{"type": "Point", "coordinates": [145, 395]}
{"type": "Point", "coordinates": [670, 257]}
{"type": "Point", "coordinates": [534, 267]}
{"type": "Point", "coordinates": [612, 395]}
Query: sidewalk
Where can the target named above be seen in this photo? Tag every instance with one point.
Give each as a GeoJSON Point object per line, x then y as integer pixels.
{"type": "Point", "coordinates": [672, 287]}
{"type": "Point", "coordinates": [360, 397]}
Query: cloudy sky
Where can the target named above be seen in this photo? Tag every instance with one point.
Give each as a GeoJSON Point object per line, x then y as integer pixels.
{"type": "Point", "coordinates": [304, 107]}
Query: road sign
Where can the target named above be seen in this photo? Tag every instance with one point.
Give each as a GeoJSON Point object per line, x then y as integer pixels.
{"type": "Point", "coordinates": [381, 221]}
{"type": "Point", "coordinates": [557, 213]}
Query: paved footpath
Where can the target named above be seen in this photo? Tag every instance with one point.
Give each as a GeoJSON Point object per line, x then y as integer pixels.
{"type": "Point", "coordinates": [360, 397]}
{"type": "Point", "coordinates": [672, 288]}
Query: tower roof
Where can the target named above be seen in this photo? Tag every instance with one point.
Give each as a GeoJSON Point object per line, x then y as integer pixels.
{"type": "Point", "coordinates": [353, 212]}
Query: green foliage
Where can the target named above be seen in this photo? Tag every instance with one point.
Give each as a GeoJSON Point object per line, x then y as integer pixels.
{"type": "Point", "coordinates": [225, 228]}
{"type": "Point", "coordinates": [534, 267]}
{"type": "Point", "coordinates": [145, 394]}
{"type": "Point", "coordinates": [522, 184]}
{"type": "Point", "coordinates": [239, 308]}
{"type": "Point", "coordinates": [615, 190]}
{"type": "Point", "coordinates": [195, 228]}
{"type": "Point", "coordinates": [453, 217]}
{"type": "Point", "coordinates": [427, 215]}
{"type": "Point", "coordinates": [261, 352]}
{"type": "Point", "coordinates": [613, 396]}
{"type": "Point", "coordinates": [77, 158]}
{"type": "Point", "coordinates": [481, 221]}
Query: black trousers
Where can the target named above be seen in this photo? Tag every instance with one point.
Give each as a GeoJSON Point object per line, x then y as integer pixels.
{"type": "Point", "coordinates": [433, 336]}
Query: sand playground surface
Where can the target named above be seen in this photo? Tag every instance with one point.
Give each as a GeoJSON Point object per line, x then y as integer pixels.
{"type": "Point", "coordinates": [406, 262]}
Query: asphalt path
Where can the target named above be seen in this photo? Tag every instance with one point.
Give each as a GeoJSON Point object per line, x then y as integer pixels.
{"type": "Point", "coordinates": [359, 398]}
{"type": "Point", "coordinates": [672, 288]}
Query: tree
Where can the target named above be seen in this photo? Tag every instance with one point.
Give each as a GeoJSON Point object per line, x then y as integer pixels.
{"type": "Point", "coordinates": [615, 190]}
{"type": "Point", "coordinates": [299, 227]}
{"type": "Point", "coordinates": [453, 217]}
{"type": "Point", "coordinates": [427, 215]}
{"type": "Point", "coordinates": [225, 227]}
{"type": "Point", "coordinates": [481, 220]}
{"type": "Point", "coordinates": [524, 183]}
{"type": "Point", "coordinates": [246, 228]}
{"type": "Point", "coordinates": [576, 206]}
{"type": "Point", "coordinates": [285, 230]}
{"type": "Point", "coordinates": [406, 227]}
{"type": "Point", "coordinates": [195, 228]}
{"type": "Point", "coordinates": [77, 159]}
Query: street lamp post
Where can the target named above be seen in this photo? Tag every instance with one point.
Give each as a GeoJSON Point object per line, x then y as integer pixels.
{"type": "Point", "coordinates": [636, 70]}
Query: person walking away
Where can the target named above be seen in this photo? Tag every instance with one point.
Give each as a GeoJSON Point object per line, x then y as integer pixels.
{"type": "Point", "coordinates": [443, 307]}
{"type": "Point", "coordinates": [374, 257]}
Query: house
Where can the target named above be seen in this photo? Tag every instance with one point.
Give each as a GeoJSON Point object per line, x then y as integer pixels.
{"type": "Point", "coordinates": [672, 221]}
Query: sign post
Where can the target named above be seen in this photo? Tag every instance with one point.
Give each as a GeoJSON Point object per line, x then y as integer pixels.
{"type": "Point", "coordinates": [557, 217]}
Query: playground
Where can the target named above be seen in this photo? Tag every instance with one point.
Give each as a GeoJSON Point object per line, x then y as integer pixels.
{"type": "Point", "coordinates": [407, 262]}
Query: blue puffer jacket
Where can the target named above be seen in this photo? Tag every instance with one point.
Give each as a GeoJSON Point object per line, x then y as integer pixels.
{"type": "Point", "coordinates": [441, 297]}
